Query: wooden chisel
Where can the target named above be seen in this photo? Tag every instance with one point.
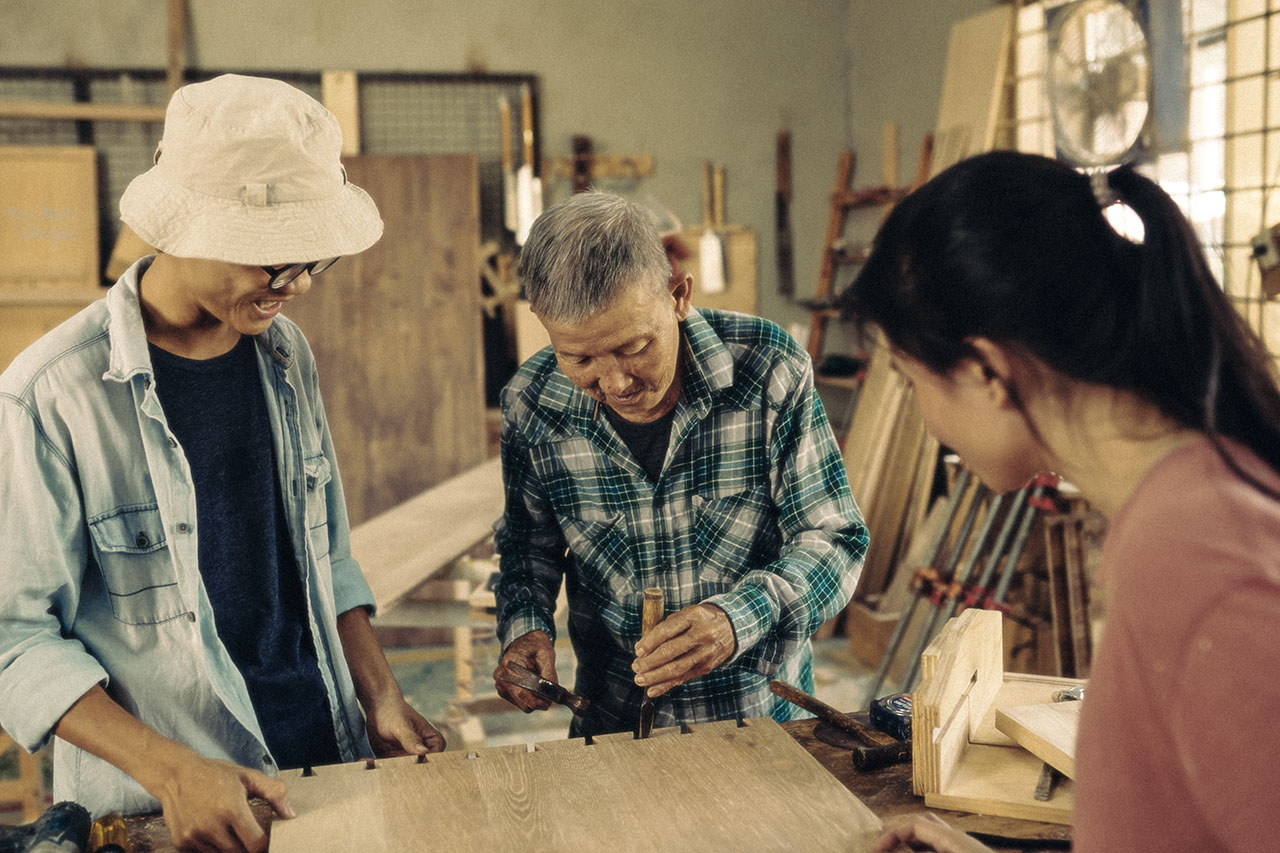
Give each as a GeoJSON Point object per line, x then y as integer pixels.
{"type": "Point", "coordinates": [650, 616]}
{"type": "Point", "coordinates": [549, 690]}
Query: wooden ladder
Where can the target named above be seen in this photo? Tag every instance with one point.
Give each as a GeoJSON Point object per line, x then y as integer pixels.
{"type": "Point", "coordinates": [835, 253]}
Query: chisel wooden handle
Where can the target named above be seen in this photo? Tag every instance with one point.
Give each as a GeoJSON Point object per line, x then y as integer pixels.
{"type": "Point", "coordinates": [526, 125]}
{"type": "Point", "coordinates": [504, 122]}
{"type": "Point", "coordinates": [717, 196]}
{"type": "Point", "coordinates": [708, 199]}
{"type": "Point", "coordinates": [651, 610]}
{"type": "Point", "coordinates": [824, 712]}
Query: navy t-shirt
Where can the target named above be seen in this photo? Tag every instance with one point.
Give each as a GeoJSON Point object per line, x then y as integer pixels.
{"type": "Point", "coordinates": [217, 411]}
{"type": "Point", "coordinates": [647, 442]}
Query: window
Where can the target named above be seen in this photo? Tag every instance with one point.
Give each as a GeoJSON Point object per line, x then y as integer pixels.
{"type": "Point", "coordinates": [1226, 174]}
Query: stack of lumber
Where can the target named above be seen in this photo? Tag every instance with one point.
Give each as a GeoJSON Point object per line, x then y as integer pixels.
{"type": "Point", "coordinates": [891, 460]}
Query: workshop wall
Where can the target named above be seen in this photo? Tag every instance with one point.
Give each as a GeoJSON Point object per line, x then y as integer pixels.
{"type": "Point", "coordinates": [683, 81]}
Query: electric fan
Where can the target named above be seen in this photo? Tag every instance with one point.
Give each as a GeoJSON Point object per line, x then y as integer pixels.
{"type": "Point", "coordinates": [1099, 82]}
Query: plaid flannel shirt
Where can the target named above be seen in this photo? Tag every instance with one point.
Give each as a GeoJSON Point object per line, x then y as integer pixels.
{"type": "Point", "coordinates": [751, 513]}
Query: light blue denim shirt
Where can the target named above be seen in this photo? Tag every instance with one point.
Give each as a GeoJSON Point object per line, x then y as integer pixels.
{"type": "Point", "coordinates": [98, 562]}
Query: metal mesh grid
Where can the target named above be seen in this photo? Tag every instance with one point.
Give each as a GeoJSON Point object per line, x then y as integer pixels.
{"type": "Point", "coordinates": [399, 114]}
{"type": "Point", "coordinates": [442, 116]}
{"type": "Point", "coordinates": [125, 148]}
{"type": "Point", "coordinates": [24, 131]}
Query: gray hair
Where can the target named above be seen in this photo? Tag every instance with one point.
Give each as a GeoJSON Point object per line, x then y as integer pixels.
{"type": "Point", "coordinates": [582, 252]}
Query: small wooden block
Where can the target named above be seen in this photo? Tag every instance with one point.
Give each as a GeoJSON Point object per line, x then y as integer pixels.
{"type": "Point", "coordinates": [1047, 731]}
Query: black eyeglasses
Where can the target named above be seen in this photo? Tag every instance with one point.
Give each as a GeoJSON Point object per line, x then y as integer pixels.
{"type": "Point", "coordinates": [280, 276]}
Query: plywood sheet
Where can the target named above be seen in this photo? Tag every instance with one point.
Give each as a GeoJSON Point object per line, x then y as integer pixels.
{"type": "Point", "coordinates": [49, 219]}
{"type": "Point", "coordinates": [1047, 731]}
{"type": "Point", "coordinates": [1001, 780]}
{"type": "Point", "coordinates": [397, 334]}
{"type": "Point", "coordinates": [718, 787]}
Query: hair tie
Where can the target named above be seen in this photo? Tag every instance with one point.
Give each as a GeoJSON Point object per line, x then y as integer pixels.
{"type": "Point", "coordinates": [1100, 183]}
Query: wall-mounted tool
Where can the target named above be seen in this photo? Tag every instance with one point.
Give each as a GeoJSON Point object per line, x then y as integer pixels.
{"type": "Point", "coordinates": [710, 249]}
{"type": "Point", "coordinates": [528, 186]}
{"type": "Point", "coordinates": [514, 673]}
{"type": "Point", "coordinates": [510, 207]}
{"type": "Point", "coordinates": [782, 217]}
{"type": "Point", "coordinates": [650, 616]}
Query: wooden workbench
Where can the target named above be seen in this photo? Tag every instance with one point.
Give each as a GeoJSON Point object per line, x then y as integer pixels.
{"type": "Point", "coordinates": [886, 792]}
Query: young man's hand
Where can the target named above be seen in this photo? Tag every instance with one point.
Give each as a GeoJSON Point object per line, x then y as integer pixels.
{"type": "Point", "coordinates": [395, 728]}
{"type": "Point", "coordinates": [206, 804]}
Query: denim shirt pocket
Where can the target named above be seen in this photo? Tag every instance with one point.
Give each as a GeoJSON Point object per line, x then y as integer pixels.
{"type": "Point", "coordinates": [130, 548]}
{"type": "Point", "coordinates": [317, 473]}
{"type": "Point", "coordinates": [733, 533]}
{"type": "Point", "coordinates": [603, 555]}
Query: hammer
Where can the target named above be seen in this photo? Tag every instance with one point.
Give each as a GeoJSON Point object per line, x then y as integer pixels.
{"type": "Point", "coordinates": [880, 749]}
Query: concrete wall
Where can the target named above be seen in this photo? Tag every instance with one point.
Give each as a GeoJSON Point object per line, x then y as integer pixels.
{"type": "Point", "coordinates": [683, 80]}
{"type": "Point", "coordinates": [897, 59]}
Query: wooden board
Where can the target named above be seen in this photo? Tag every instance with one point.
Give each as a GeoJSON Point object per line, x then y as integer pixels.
{"type": "Point", "coordinates": [972, 86]}
{"type": "Point", "coordinates": [397, 334]}
{"type": "Point", "coordinates": [718, 787]}
{"type": "Point", "coordinates": [740, 262]}
{"type": "Point", "coordinates": [404, 546]}
{"type": "Point", "coordinates": [49, 220]}
{"type": "Point", "coordinates": [1047, 731]}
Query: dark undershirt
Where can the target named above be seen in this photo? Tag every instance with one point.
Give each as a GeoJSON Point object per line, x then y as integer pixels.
{"type": "Point", "coordinates": [647, 442]}
{"type": "Point", "coordinates": [216, 409]}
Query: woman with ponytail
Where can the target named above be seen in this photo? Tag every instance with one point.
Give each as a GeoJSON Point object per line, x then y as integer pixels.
{"type": "Point", "coordinates": [1040, 339]}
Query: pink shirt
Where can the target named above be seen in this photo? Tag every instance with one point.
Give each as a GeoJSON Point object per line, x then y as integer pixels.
{"type": "Point", "coordinates": [1179, 742]}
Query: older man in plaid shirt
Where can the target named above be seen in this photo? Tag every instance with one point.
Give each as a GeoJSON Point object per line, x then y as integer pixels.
{"type": "Point", "coordinates": [653, 445]}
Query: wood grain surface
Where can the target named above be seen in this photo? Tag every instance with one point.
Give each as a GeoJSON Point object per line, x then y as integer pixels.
{"type": "Point", "coordinates": [886, 791]}
{"type": "Point", "coordinates": [752, 787]}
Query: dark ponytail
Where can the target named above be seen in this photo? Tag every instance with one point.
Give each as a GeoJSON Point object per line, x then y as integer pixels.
{"type": "Point", "coordinates": [1015, 247]}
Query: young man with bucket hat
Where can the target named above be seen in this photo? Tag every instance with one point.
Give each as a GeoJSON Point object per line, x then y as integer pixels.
{"type": "Point", "coordinates": [181, 607]}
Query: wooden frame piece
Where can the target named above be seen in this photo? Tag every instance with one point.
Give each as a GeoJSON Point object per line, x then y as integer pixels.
{"type": "Point", "coordinates": [1046, 730]}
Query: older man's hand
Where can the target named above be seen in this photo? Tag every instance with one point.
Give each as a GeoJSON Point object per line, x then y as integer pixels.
{"type": "Point", "coordinates": [685, 645]}
{"type": "Point", "coordinates": [536, 653]}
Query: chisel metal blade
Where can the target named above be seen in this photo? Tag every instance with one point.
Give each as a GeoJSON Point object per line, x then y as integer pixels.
{"type": "Point", "coordinates": [549, 690]}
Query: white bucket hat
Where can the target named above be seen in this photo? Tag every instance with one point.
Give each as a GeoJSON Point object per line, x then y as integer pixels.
{"type": "Point", "coordinates": [248, 171]}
